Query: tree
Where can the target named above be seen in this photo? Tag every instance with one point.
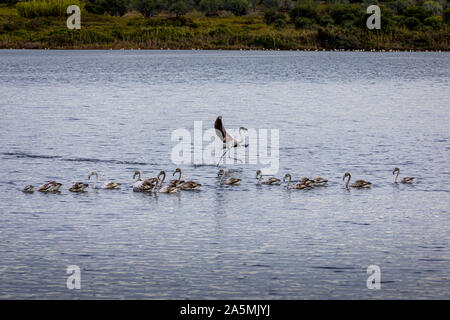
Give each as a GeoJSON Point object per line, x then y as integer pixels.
{"type": "Point", "coordinates": [347, 15]}
{"type": "Point", "coordinates": [446, 15]}
{"type": "Point", "coordinates": [304, 23]}
{"type": "Point", "coordinates": [433, 6]}
{"type": "Point", "coordinates": [147, 8]}
{"type": "Point", "coordinates": [272, 4]}
{"type": "Point", "coordinates": [179, 8]}
{"type": "Point", "coordinates": [271, 16]}
{"type": "Point", "coordinates": [210, 7]}
{"type": "Point", "coordinates": [420, 13]}
{"type": "Point", "coordinates": [304, 11]}
{"type": "Point", "coordinates": [115, 7]}
{"type": "Point", "coordinates": [412, 23]}
{"type": "Point", "coordinates": [237, 7]}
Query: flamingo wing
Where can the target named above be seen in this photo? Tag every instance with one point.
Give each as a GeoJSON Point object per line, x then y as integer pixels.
{"type": "Point", "coordinates": [221, 132]}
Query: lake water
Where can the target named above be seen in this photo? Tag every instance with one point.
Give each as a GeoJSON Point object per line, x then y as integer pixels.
{"type": "Point", "coordinates": [67, 113]}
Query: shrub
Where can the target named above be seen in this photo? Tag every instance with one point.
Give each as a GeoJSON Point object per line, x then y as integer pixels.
{"type": "Point", "coordinates": [45, 8]}
{"type": "Point", "coordinates": [210, 7]}
{"type": "Point", "coordinates": [398, 6]}
{"type": "Point", "coordinates": [446, 15]}
{"type": "Point", "coordinates": [180, 8]}
{"type": "Point", "coordinates": [272, 4]}
{"type": "Point", "coordinates": [237, 7]}
{"type": "Point", "coordinates": [347, 15]}
{"type": "Point", "coordinates": [9, 2]}
{"type": "Point", "coordinates": [326, 21]}
{"type": "Point", "coordinates": [304, 11]}
{"type": "Point", "coordinates": [304, 23]}
{"type": "Point", "coordinates": [433, 6]}
{"type": "Point", "coordinates": [270, 16]}
{"type": "Point", "coordinates": [433, 22]}
{"type": "Point", "coordinates": [94, 8]}
{"type": "Point", "coordinates": [420, 13]}
{"type": "Point", "coordinates": [115, 7]}
{"type": "Point", "coordinates": [280, 24]}
{"type": "Point", "coordinates": [147, 8]}
{"type": "Point", "coordinates": [412, 23]}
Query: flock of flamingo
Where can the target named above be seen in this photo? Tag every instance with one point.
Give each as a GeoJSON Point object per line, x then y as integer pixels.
{"type": "Point", "coordinates": [156, 184]}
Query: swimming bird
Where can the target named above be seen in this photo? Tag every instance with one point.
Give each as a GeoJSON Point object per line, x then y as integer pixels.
{"type": "Point", "coordinates": [269, 181]}
{"type": "Point", "coordinates": [52, 186]}
{"type": "Point", "coordinates": [357, 183]}
{"type": "Point", "coordinates": [79, 187]}
{"type": "Point", "coordinates": [165, 189]}
{"type": "Point", "coordinates": [320, 182]}
{"type": "Point", "coordinates": [28, 189]}
{"type": "Point", "coordinates": [406, 180]}
{"type": "Point", "coordinates": [228, 141]}
{"type": "Point", "coordinates": [185, 185]}
{"type": "Point", "coordinates": [146, 185]}
{"type": "Point", "coordinates": [176, 182]}
{"type": "Point", "coordinates": [229, 181]}
{"type": "Point", "coordinates": [308, 183]}
{"type": "Point", "coordinates": [299, 185]}
{"type": "Point", "coordinates": [107, 185]}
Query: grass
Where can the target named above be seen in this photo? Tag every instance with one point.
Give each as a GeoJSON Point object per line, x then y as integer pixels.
{"type": "Point", "coordinates": [45, 8]}
{"type": "Point", "coordinates": [197, 32]}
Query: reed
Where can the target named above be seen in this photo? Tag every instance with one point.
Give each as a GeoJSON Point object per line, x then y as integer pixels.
{"type": "Point", "coordinates": [45, 8]}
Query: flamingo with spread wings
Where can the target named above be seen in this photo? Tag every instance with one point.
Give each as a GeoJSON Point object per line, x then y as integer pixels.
{"type": "Point", "coordinates": [228, 141]}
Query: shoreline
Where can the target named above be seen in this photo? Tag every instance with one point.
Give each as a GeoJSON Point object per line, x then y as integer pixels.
{"type": "Point", "coordinates": [233, 50]}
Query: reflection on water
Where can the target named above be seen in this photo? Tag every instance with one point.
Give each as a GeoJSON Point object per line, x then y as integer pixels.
{"type": "Point", "coordinates": [65, 114]}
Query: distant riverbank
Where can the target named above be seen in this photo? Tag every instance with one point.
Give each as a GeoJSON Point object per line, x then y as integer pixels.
{"type": "Point", "coordinates": [195, 31]}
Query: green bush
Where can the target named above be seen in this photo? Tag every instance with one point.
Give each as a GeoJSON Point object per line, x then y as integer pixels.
{"type": "Point", "coordinates": [412, 23]}
{"type": "Point", "coordinates": [210, 7]}
{"type": "Point", "coordinates": [433, 6]}
{"type": "Point", "coordinates": [325, 21]}
{"type": "Point", "coordinates": [304, 11]}
{"type": "Point", "coordinates": [399, 5]}
{"type": "Point", "coordinates": [420, 13]}
{"type": "Point", "coordinates": [9, 2]}
{"type": "Point", "coordinates": [446, 16]}
{"type": "Point", "coordinates": [304, 23]}
{"type": "Point", "coordinates": [180, 8]}
{"type": "Point", "coordinates": [270, 16]}
{"type": "Point", "coordinates": [94, 8]}
{"type": "Point", "coordinates": [272, 4]}
{"type": "Point", "coordinates": [147, 8]}
{"type": "Point", "coordinates": [347, 15]}
{"type": "Point", "coordinates": [433, 22]}
{"type": "Point", "coordinates": [115, 7]}
{"type": "Point", "coordinates": [45, 8]}
{"type": "Point", "coordinates": [280, 24]}
{"type": "Point", "coordinates": [237, 7]}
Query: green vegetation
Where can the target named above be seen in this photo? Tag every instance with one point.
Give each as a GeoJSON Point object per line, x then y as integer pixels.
{"type": "Point", "coordinates": [226, 24]}
{"type": "Point", "coordinates": [45, 8]}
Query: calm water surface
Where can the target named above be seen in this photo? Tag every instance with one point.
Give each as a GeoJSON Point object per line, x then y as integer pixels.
{"type": "Point", "coordinates": [66, 113]}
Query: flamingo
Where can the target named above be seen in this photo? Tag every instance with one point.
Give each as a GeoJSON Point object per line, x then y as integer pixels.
{"type": "Point", "coordinates": [228, 141]}
{"type": "Point", "coordinates": [407, 180]}
{"type": "Point", "coordinates": [269, 181]}
{"type": "Point", "coordinates": [357, 183]}
{"type": "Point", "coordinates": [107, 185]}
{"type": "Point", "coordinates": [52, 186]}
{"type": "Point", "coordinates": [28, 189]}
